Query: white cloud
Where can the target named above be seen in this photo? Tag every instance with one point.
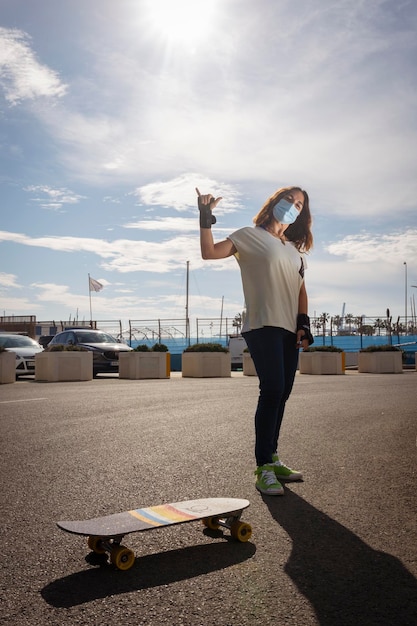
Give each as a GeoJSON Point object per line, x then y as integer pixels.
{"type": "Point", "coordinates": [22, 77]}
{"type": "Point", "coordinates": [372, 248]}
{"type": "Point", "coordinates": [129, 305]}
{"type": "Point", "coordinates": [366, 271]}
{"type": "Point", "coordinates": [182, 224]}
{"type": "Point", "coordinates": [122, 255]}
{"type": "Point", "coordinates": [8, 280]}
{"type": "Point", "coordinates": [147, 256]}
{"type": "Point", "coordinates": [111, 200]}
{"type": "Point", "coordinates": [180, 193]}
{"type": "Point", "coordinates": [366, 288]}
{"type": "Point", "coordinates": [341, 125]}
{"type": "Point", "coordinates": [53, 199]}
{"type": "Point", "coordinates": [329, 103]}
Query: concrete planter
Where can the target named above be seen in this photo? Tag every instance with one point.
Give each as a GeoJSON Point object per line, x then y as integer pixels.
{"type": "Point", "coordinates": [7, 367]}
{"type": "Point", "coordinates": [135, 365]}
{"type": "Point", "coordinates": [380, 362]}
{"type": "Point", "coordinates": [248, 365]}
{"type": "Point", "coordinates": [321, 363]}
{"type": "Point", "coordinates": [64, 366]}
{"type": "Point", "coordinates": [351, 359]}
{"type": "Point", "coordinates": [206, 365]}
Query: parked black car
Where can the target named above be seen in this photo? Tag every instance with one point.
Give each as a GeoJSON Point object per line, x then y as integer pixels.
{"type": "Point", "coordinates": [104, 347]}
{"type": "Point", "coordinates": [44, 340]}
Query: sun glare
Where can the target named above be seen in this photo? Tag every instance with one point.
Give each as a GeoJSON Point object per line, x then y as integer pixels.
{"type": "Point", "coordinates": [181, 21]}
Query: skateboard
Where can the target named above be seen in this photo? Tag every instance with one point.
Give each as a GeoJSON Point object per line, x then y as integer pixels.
{"type": "Point", "coordinates": [105, 534]}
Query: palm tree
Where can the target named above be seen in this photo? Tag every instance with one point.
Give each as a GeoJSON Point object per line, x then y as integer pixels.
{"type": "Point", "coordinates": [337, 322]}
{"type": "Point", "coordinates": [237, 322]}
{"type": "Point", "coordinates": [349, 319]}
{"type": "Point", "coordinates": [324, 317]}
{"type": "Point", "coordinates": [378, 325]}
{"type": "Point", "coordinates": [316, 324]}
{"type": "Point", "coordinates": [359, 323]}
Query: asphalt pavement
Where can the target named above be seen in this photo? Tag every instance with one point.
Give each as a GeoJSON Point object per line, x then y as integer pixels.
{"type": "Point", "coordinates": [338, 549]}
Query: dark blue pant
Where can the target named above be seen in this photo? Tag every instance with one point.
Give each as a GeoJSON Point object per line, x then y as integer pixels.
{"type": "Point", "coordinates": [275, 357]}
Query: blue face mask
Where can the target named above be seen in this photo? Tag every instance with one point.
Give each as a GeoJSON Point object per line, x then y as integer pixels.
{"type": "Point", "coordinates": [285, 212]}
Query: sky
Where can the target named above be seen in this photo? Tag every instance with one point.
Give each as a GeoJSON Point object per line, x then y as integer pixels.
{"type": "Point", "coordinates": [112, 113]}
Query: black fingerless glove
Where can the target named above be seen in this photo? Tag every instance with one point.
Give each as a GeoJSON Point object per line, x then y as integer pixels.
{"type": "Point", "coordinates": [303, 323]}
{"type": "Point", "coordinates": [206, 216]}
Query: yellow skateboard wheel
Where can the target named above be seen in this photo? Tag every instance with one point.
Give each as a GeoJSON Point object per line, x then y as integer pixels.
{"type": "Point", "coordinates": [94, 543]}
{"type": "Point", "coordinates": [241, 531]}
{"type": "Point", "coordinates": [122, 557]}
{"type": "Point", "coordinates": [211, 522]}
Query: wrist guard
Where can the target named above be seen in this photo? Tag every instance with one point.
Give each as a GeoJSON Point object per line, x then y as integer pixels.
{"type": "Point", "coordinates": [303, 323]}
{"type": "Point", "coordinates": [206, 216]}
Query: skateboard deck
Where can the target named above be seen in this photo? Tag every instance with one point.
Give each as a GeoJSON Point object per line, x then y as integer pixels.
{"type": "Point", "coordinates": [106, 533]}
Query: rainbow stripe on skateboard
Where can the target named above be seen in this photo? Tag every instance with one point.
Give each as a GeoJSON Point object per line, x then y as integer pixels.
{"type": "Point", "coordinates": [163, 515]}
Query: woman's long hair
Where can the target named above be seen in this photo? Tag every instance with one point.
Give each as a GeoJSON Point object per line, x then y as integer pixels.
{"type": "Point", "coordinates": [300, 231]}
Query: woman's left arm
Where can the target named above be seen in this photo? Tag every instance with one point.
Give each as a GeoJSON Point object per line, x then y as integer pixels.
{"type": "Point", "coordinates": [302, 311]}
{"type": "Point", "coordinates": [303, 300]}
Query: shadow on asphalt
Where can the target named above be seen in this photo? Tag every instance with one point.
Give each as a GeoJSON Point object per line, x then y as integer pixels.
{"type": "Point", "coordinates": [149, 571]}
{"type": "Point", "coordinates": [344, 579]}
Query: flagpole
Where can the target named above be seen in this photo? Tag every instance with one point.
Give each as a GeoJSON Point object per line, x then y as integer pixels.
{"type": "Point", "coordinates": [187, 319]}
{"type": "Point", "coordinates": [91, 311]}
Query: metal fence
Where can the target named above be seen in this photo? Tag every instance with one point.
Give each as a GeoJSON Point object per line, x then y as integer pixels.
{"type": "Point", "coordinates": [349, 325]}
{"type": "Point", "coordinates": [348, 332]}
{"type": "Point", "coordinates": [217, 330]}
{"type": "Point", "coordinates": [174, 333]}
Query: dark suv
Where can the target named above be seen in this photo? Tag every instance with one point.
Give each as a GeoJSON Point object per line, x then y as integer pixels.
{"type": "Point", "coordinates": [104, 347]}
{"type": "Point", "coordinates": [44, 340]}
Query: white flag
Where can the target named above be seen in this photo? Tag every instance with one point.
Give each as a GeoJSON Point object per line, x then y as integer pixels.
{"type": "Point", "coordinates": [95, 285]}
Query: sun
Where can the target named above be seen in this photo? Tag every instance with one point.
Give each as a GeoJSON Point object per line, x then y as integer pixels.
{"type": "Point", "coordinates": [181, 21]}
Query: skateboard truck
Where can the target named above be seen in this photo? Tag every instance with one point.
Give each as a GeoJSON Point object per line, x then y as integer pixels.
{"type": "Point", "coordinates": [238, 530]}
{"type": "Point", "coordinates": [121, 557]}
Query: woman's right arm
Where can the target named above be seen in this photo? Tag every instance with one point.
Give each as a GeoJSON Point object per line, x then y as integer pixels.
{"type": "Point", "coordinates": [209, 249]}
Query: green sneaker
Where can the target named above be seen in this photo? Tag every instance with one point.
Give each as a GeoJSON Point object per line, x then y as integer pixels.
{"type": "Point", "coordinates": [282, 471]}
{"type": "Point", "coordinates": [267, 482]}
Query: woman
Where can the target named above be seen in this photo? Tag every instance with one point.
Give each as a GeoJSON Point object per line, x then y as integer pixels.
{"type": "Point", "coordinates": [276, 322]}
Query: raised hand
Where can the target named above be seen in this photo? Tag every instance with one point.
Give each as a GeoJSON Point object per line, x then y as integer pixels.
{"type": "Point", "coordinates": [206, 204]}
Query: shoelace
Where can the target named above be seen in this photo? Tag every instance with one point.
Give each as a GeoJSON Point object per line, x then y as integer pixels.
{"type": "Point", "coordinates": [268, 477]}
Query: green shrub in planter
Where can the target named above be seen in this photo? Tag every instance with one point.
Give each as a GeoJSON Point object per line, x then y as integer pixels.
{"type": "Point", "coordinates": [384, 348]}
{"type": "Point", "coordinates": [159, 347]}
{"type": "Point", "coordinates": [322, 360]}
{"type": "Point", "coordinates": [2, 349]}
{"type": "Point", "coordinates": [57, 348]}
{"type": "Point", "coordinates": [145, 362]}
{"type": "Point", "coordinates": [206, 360]}
{"type": "Point", "coordinates": [324, 349]}
{"type": "Point", "coordinates": [64, 363]}
{"type": "Point", "coordinates": [206, 347]}
{"type": "Point", "coordinates": [385, 359]}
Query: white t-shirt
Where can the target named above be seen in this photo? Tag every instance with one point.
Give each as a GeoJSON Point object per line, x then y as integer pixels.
{"type": "Point", "coordinates": [272, 275]}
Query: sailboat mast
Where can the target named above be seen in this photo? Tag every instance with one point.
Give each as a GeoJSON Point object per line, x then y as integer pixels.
{"type": "Point", "coordinates": [221, 320]}
{"type": "Point", "coordinates": [187, 318]}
